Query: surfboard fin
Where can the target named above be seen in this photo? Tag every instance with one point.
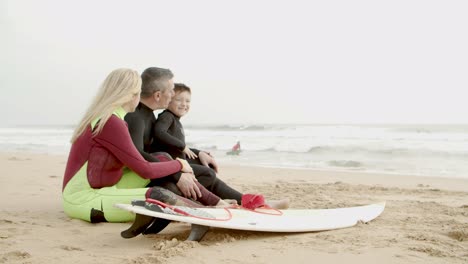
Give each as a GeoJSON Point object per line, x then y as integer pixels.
{"type": "Point", "coordinates": [145, 224]}
{"type": "Point", "coordinates": [140, 224]}
{"type": "Point", "coordinates": [157, 226]}
{"type": "Point", "coordinates": [197, 232]}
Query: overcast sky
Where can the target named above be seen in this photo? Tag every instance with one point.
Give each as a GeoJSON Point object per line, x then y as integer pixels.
{"type": "Point", "coordinates": [246, 61]}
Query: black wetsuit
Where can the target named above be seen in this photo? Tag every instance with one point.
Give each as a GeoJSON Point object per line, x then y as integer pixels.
{"type": "Point", "coordinates": [169, 135]}
{"type": "Point", "coordinates": [142, 124]}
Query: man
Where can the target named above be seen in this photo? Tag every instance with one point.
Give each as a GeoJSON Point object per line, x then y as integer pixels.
{"type": "Point", "coordinates": [156, 93]}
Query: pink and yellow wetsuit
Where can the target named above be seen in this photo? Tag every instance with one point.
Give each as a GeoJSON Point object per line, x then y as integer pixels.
{"type": "Point", "coordinates": [106, 169]}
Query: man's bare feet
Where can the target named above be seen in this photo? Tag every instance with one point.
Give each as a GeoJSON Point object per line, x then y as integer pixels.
{"type": "Point", "coordinates": [278, 204]}
{"type": "Point", "coordinates": [226, 203]}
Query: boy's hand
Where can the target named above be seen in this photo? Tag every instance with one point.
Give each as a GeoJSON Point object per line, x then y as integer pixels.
{"type": "Point", "coordinates": [190, 154]}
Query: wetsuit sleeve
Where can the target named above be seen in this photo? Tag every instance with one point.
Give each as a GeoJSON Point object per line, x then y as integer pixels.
{"type": "Point", "coordinates": [117, 140]}
{"type": "Point", "coordinates": [136, 127]}
{"type": "Point", "coordinates": [161, 133]}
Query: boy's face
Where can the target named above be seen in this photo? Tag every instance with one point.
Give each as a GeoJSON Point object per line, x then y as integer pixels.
{"type": "Point", "coordinates": [180, 103]}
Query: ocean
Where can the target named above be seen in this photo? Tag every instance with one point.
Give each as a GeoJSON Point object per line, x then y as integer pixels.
{"type": "Point", "coordinates": [427, 150]}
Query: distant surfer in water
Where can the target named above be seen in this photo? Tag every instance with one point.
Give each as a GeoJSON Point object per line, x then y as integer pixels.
{"type": "Point", "coordinates": [236, 147]}
{"type": "Point", "coordinates": [235, 150]}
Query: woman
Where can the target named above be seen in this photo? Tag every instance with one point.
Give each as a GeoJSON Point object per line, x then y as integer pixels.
{"type": "Point", "coordinates": [105, 168]}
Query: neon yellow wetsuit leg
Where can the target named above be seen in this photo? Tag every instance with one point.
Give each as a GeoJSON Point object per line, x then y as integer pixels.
{"type": "Point", "coordinates": [79, 198]}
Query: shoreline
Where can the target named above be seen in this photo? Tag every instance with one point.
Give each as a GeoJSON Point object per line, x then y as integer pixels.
{"type": "Point", "coordinates": [351, 176]}
{"type": "Point", "coordinates": [355, 177]}
{"type": "Point", "coordinates": [425, 220]}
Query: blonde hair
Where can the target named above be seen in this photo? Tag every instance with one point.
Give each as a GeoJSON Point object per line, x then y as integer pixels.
{"type": "Point", "coordinates": [117, 89]}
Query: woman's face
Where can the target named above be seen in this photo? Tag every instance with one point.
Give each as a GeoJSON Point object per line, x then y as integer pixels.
{"type": "Point", "coordinates": [131, 106]}
{"type": "Point", "coordinates": [166, 95]}
{"type": "Point", "coordinates": [136, 100]}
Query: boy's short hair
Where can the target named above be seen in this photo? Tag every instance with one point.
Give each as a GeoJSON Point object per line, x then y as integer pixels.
{"type": "Point", "coordinates": [180, 87]}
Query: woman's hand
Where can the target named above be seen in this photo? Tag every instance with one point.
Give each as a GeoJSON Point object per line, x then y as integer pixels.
{"type": "Point", "coordinates": [190, 154]}
{"type": "Point", "coordinates": [185, 166]}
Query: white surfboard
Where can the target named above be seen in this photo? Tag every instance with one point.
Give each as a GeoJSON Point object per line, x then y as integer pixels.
{"type": "Point", "coordinates": [291, 220]}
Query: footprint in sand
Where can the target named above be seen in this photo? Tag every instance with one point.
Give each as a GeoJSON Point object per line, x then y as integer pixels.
{"type": "Point", "coordinates": [460, 235]}
{"type": "Point", "coordinates": [14, 256]}
{"type": "Point", "coordinates": [431, 251]}
{"type": "Point", "coordinates": [6, 221]}
{"type": "Point", "coordinates": [76, 231]}
{"type": "Point", "coordinates": [70, 248]}
{"type": "Point", "coordinates": [423, 186]}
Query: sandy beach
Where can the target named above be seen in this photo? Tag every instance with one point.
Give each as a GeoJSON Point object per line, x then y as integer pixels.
{"type": "Point", "coordinates": [425, 221]}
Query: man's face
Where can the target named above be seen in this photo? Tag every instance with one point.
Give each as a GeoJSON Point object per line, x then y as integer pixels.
{"type": "Point", "coordinates": [167, 94]}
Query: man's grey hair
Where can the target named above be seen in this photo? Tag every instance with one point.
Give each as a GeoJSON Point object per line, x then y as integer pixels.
{"type": "Point", "coordinates": [154, 79]}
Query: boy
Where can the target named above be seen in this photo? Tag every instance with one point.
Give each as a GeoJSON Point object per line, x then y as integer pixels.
{"type": "Point", "coordinates": [169, 132]}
